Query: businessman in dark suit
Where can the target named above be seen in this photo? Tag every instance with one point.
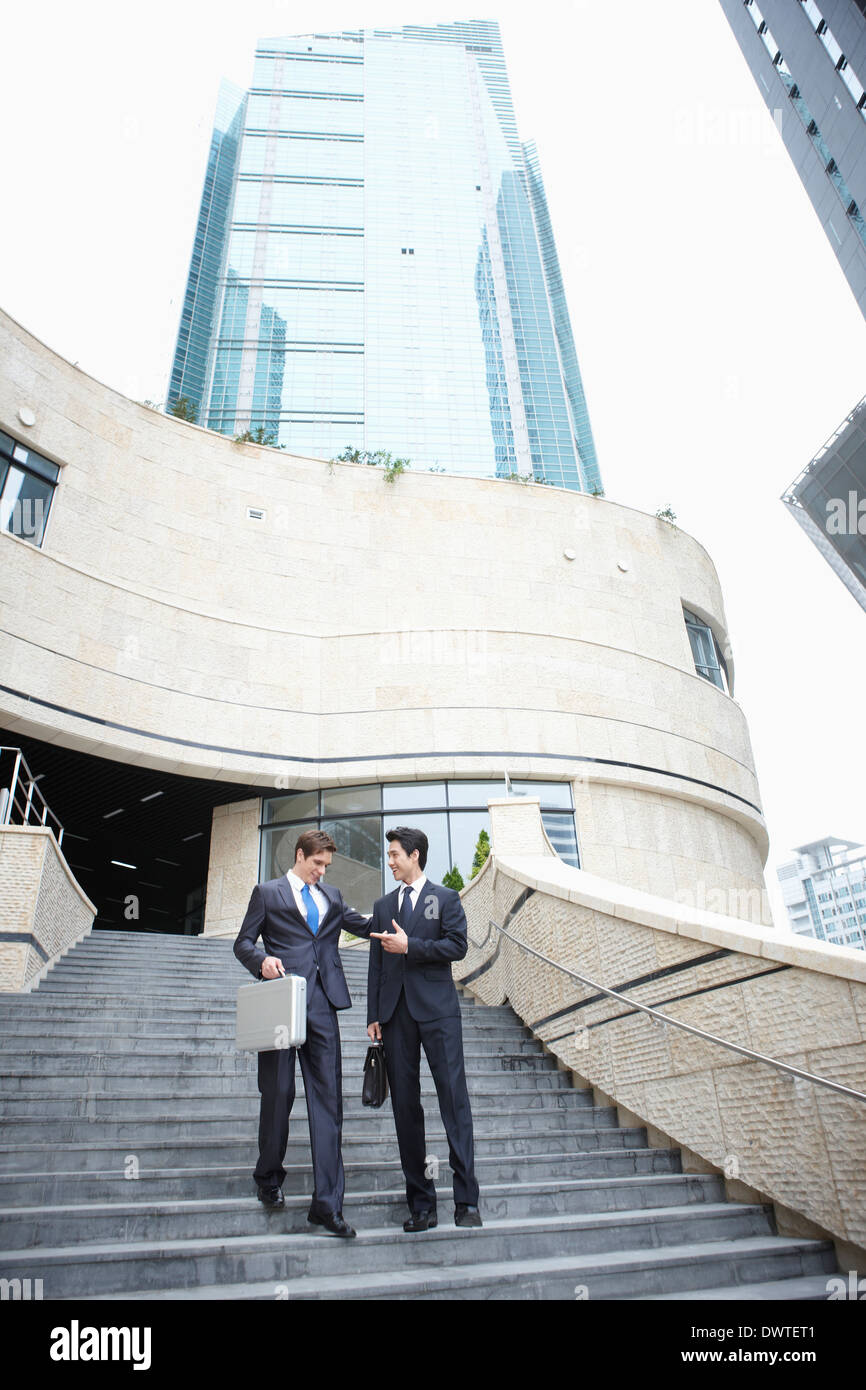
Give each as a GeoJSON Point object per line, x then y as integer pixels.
{"type": "Point", "coordinates": [299, 918]}
{"type": "Point", "coordinates": [419, 929]}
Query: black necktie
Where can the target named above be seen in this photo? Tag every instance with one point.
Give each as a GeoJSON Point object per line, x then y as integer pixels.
{"type": "Point", "coordinates": [406, 910]}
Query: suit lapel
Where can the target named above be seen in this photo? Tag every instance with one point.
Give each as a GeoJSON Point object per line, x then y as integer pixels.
{"type": "Point", "coordinates": [289, 900]}
{"type": "Point", "coordinates": [393, 901]}
{"type": "Point", "coordinates": [326, 891]}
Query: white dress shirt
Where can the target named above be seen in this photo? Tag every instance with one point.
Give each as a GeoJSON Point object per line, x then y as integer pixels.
{"type": "Point", "coordinates": [414, 889]}
{"type": "Point", "coordinates": [297, 886]}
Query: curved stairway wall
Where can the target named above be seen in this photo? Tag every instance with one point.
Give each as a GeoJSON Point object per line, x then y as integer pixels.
{"type": "Point", "coordinates": [799, 1001]}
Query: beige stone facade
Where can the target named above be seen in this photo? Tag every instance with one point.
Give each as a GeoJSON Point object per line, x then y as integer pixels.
{"type": "Point", "coordinates": [364, 632]}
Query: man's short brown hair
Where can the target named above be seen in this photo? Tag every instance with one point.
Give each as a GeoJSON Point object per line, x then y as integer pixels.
{"type": "Point", "coordinates": [312, 841]}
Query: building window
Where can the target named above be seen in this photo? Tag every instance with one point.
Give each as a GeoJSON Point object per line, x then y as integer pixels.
{"type": "Point", "coordinates": [706, 651]}
{"type": "Point", "coordinates": [27, 482]}
{"type": "Point", "coordinates": [451, 814]}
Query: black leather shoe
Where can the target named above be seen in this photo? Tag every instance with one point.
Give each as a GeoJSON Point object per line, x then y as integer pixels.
{"type": "Point", "coordinates": [332, 1222]}
{"type": "Point", "coordinates": [421, 1221]}
{"type": "Point", "coordinates": [467, 1216]}
{"type": "Point", "coordinates": [272, 1198]}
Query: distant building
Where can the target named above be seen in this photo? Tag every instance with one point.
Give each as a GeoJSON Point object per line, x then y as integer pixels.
{"type": "Point", "coordinates": [824, 891]}
{"type": "Point", "coordinates": [809, 61]}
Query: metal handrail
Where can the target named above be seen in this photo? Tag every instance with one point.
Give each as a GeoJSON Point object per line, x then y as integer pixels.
{"type": "Point", "coordinates": [12, 799]}
{"type": "Point", "coordinates": [686, 1027]}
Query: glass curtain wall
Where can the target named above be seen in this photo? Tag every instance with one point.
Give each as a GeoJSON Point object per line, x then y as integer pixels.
{"type": "Point", "coordinates": [451, 814]}
{"type": "Point", "coordinates": [374, 265]}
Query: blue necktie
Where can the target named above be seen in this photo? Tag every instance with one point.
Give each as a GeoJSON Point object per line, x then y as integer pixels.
{"type": "Point", "coordinates": [312, 910]}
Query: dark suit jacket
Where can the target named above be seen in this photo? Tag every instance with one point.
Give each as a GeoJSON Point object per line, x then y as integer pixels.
{"type": "Point", "coordinates": [437, 936]}
{"type": "Point", "coordinates": [273, 915]}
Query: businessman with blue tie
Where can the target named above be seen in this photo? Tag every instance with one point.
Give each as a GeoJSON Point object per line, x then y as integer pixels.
{"type": "Point", "coordinates": [299, 918]}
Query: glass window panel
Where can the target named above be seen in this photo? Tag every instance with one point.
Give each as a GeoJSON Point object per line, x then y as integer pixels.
{"type": "Point", "coordinates": [549, 793]}
{"type": "Point", "coordinates": [35, 463]}
{"type": "Point", "coordinates": [24, 505]}
{"type": "Point", "coordinates": [296, 807]}
{"type": "Point", "coordinates": [465, 829]}
{"type": "Point", "coordinates": [435, 827]}
{"type": "Point", "coordinates": [474, 793]}
{"type": "Point", "coordinates": [278, 851]}
{"type": "Point", "coordinates": [356, 868]}
{"type": "Point", "coordinates": [344, 801]}
{"type": "Point", "coordinates": [562, 835]}
{"type": "Point", "coordinates": [409, 795]}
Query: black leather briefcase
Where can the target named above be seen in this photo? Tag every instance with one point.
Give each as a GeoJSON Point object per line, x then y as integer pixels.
{"type": "Point", "coordinates": [375, 1089]}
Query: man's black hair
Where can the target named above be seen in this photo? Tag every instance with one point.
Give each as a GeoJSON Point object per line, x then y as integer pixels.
{"type": "Point", "coordinates": [410, 839]}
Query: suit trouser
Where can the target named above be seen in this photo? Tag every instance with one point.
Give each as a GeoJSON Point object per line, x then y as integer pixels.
{"type": "Point", "coordinates": [442, 1040]}
{"type": "Point", "coordinates": [321, 1068]}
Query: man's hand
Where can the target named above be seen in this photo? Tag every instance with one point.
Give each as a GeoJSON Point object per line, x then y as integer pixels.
{"type": "Point", "coordinates": [395, 942]}
{"type": "Point", "coordinates": [374, 1032]}
{"type": "Point", "coordinates": [272, 968]}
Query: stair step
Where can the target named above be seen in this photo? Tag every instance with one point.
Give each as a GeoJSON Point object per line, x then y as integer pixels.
{"type": "Point", "coordinates": [808, 1288]}
{"type": "Point", "coordinates": [209, 1180]}
{"type": "Point", "coordinates": [23, 1227]}
{"type": "Point", "coordinates": [565, 1277]}
{"type": "Point", "coordinates": [110, 1266]}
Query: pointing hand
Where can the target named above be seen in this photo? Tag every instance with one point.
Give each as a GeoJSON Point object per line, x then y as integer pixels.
{"type": "Point", "coordinates": [395, 942]}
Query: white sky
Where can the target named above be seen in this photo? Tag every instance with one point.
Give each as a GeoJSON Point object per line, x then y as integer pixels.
{"type": "Point", "coordinates": [717, 337]}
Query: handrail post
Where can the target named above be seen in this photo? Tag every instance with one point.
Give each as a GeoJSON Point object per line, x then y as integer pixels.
{"type": "Point", "coordinates": [12, 787]}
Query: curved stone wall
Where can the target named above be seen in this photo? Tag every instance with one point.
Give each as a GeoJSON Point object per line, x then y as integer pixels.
{"type": "Point", "coordinates": [799, 1002]}
{"type": "Point", "coordinates": [364, 631]}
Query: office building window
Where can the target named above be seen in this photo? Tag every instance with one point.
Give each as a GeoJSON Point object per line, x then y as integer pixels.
{"type": "Point", "coordinates": [451, 814]}
{"type": "Point", "coordinates": [27, 482]}
{"type": "Point", "coordinates": [706, 651]}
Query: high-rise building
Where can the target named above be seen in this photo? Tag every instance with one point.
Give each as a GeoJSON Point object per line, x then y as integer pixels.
{"type": "Point", "coordinates": [374, 264]}
{"type": "Point", "coordinates": [824, 891]}
{"type": "Point", "coordinates": [809, 61]}
{"type": "Point", "coordinates": [808, 58]}
{"type": "Point", "coordinates": [828, 500]}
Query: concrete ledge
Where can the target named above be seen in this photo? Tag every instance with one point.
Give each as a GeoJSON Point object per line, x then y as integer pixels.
{"type": "Point", "coordinates": [559, 879]}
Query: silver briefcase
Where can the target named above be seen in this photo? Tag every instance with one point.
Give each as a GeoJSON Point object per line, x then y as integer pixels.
{"type": "Point", "coordinates": [272, 1014]}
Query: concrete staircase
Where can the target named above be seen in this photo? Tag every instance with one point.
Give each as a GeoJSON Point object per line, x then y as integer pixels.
{"type": "Point", "coordinates": [123, 1063]}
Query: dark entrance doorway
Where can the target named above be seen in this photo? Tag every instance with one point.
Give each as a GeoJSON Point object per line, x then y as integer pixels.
{"type": "Point", "coordinates": [137, 840]}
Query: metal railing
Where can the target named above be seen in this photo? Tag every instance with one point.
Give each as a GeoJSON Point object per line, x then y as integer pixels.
{"type": "Point", "coordinates": [21, 801]}
{"type": "Point", "coordinates": [665, 1019]}
{"type": "Point", "coordinates": [790, 494]}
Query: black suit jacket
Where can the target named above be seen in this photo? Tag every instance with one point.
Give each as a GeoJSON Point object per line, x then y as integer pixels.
{"type": "Point", "coordinates": [437, 936]}
{"type": "Point", "coordinates": [273, 915]}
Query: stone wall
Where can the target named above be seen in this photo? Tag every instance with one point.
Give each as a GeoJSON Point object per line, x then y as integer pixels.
{"type": "Point", "coordinates": [43, 911]}
{"type": "Point", "coordinates": [798, 1001]}
{"type": "Point", "coordinates": [233, 867]}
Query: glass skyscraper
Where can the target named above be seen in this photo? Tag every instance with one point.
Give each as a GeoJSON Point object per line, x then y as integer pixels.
{"type": "Point", "coordinates": [374, 264]}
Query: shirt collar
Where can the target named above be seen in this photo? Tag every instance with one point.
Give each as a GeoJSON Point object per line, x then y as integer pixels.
{"type": "Point", "coordinates": [416, 886]}
{"type": "Point", "coordinates": [297, 883]}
